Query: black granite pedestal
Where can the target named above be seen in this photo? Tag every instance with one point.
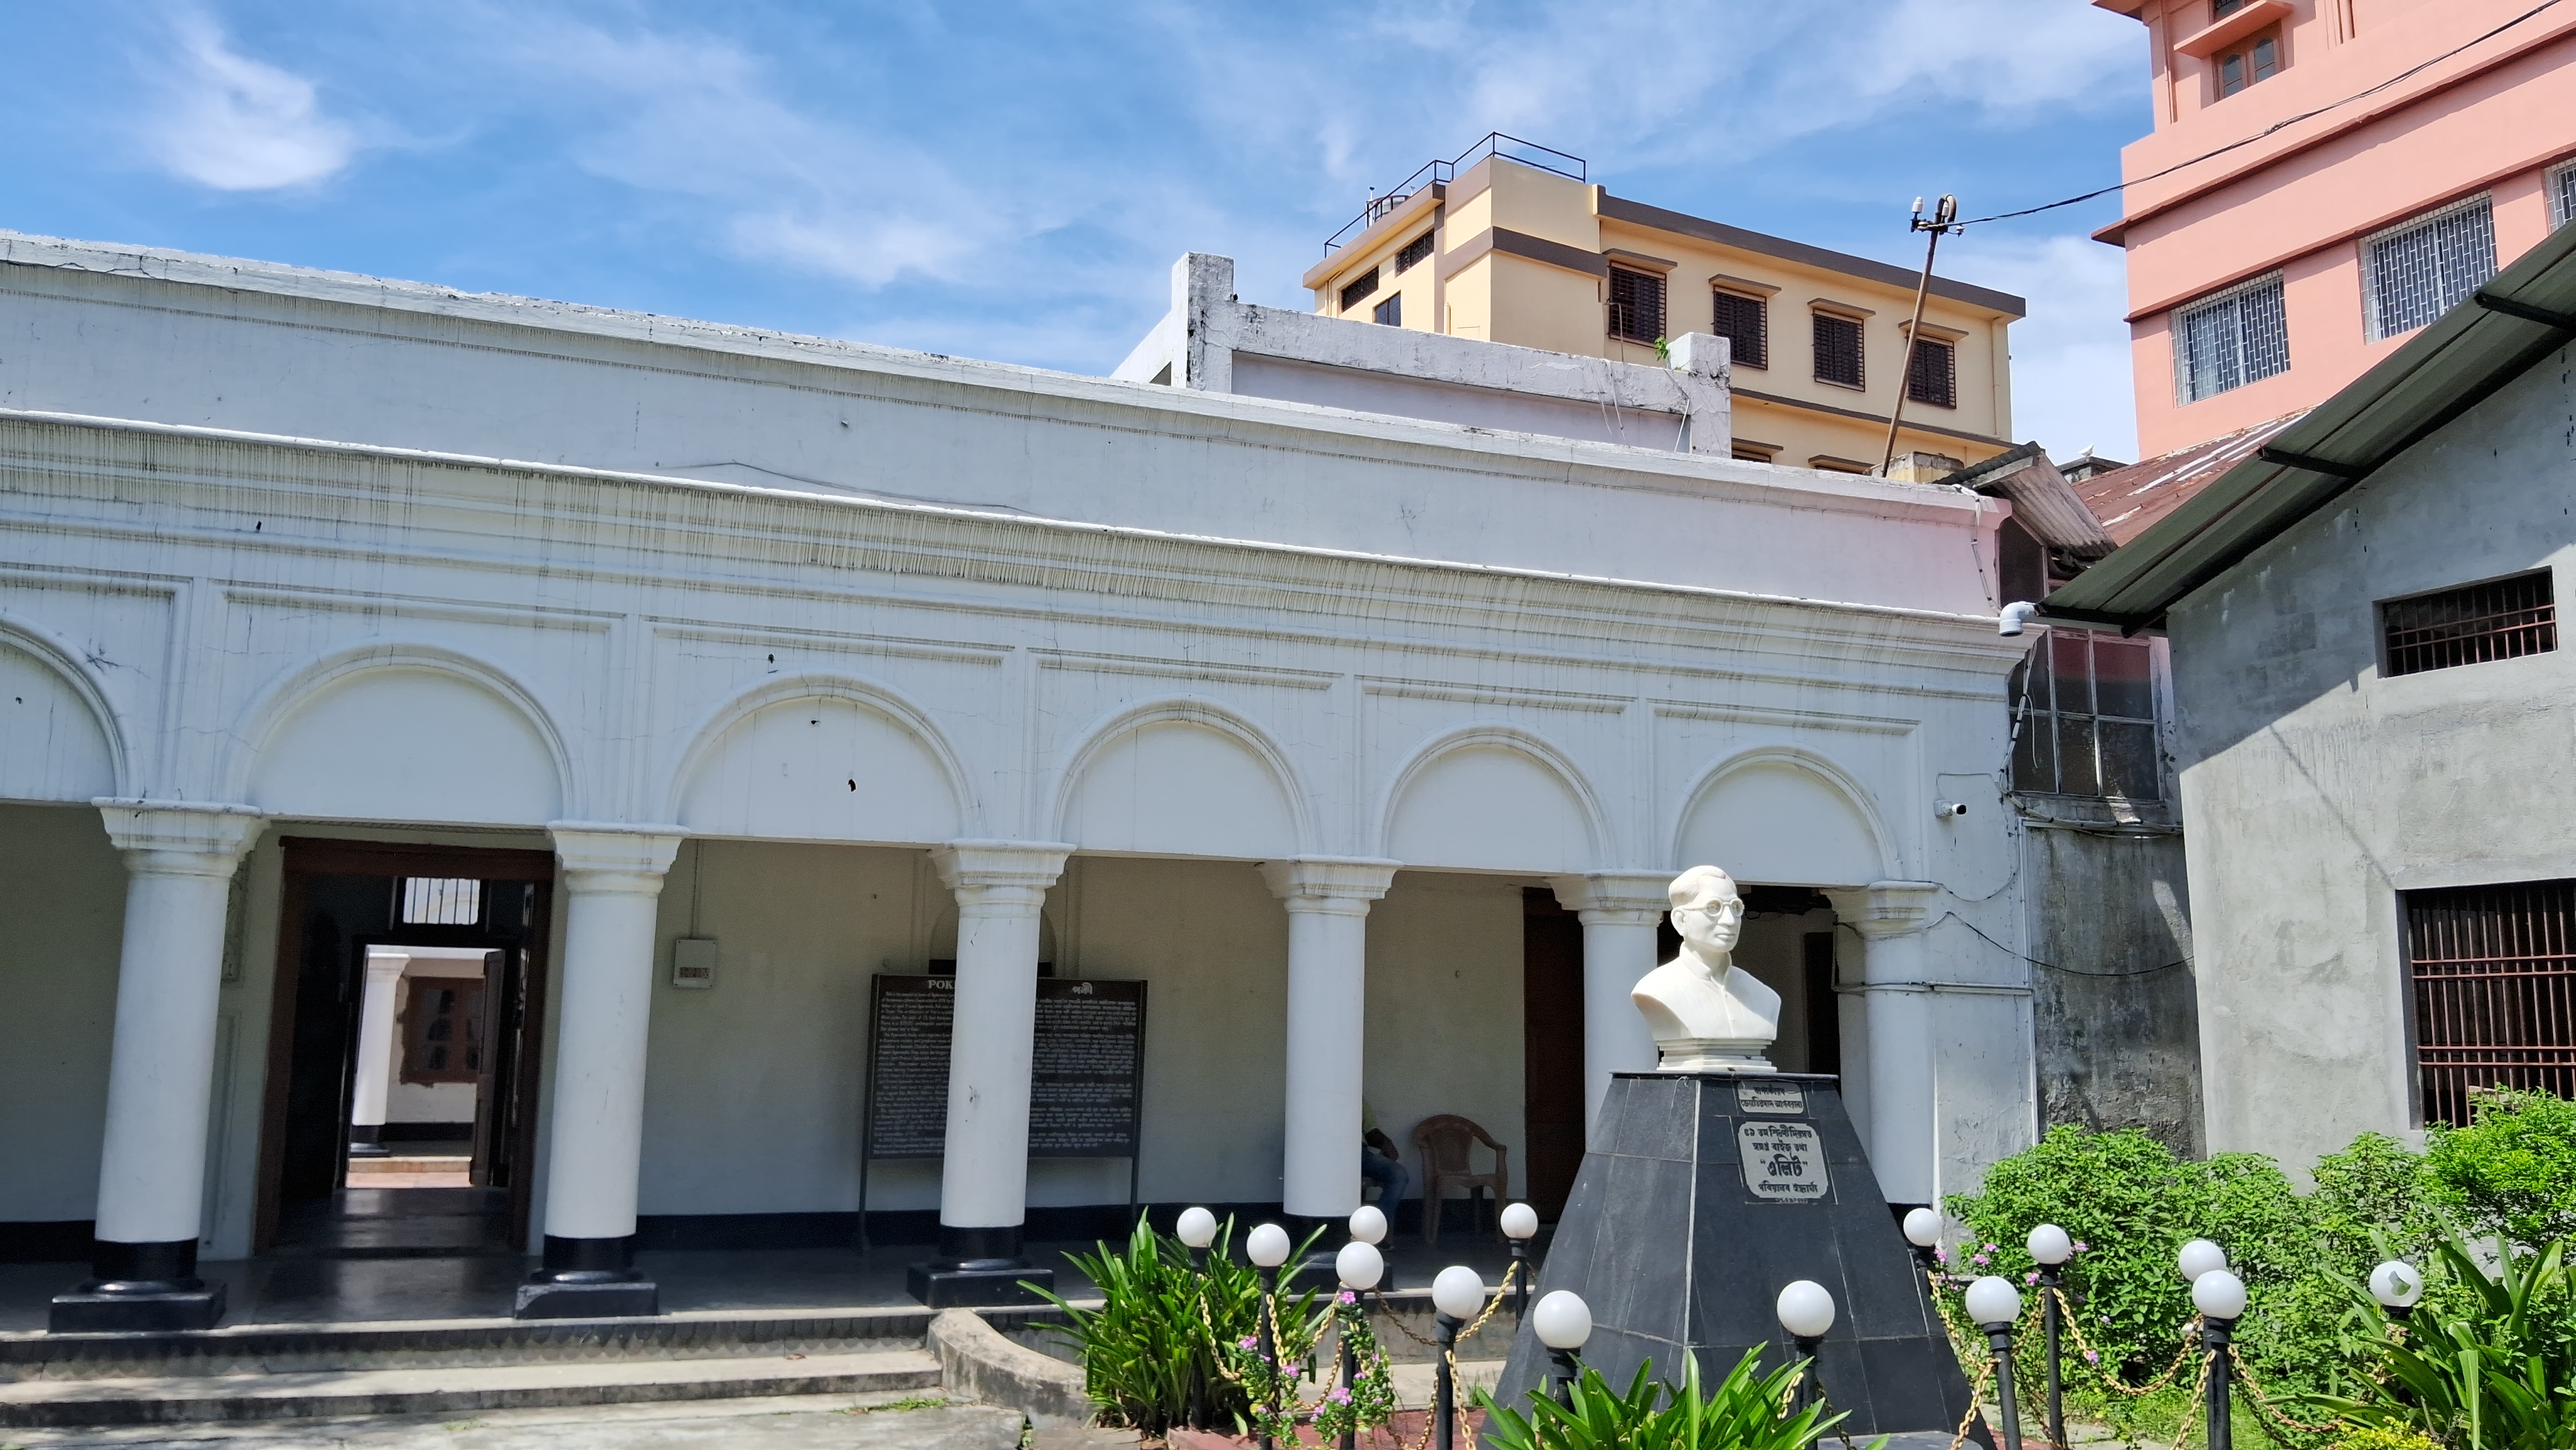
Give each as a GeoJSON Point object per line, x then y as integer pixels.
{"type": "Point", "coordinates": [977, 1268]}
{"type": "Point", "coordinates": [146, 1288]}
{"type": "Point", "coordinates": [588, 1279]}
{"type": "Point", "coordinates": [1708, 1195]}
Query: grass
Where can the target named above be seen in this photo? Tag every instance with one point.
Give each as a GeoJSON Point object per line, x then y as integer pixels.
{"type": "Point", "coordinates": [908, 1402]}
{"type": "Point", "coordinates": [2158, 1416]}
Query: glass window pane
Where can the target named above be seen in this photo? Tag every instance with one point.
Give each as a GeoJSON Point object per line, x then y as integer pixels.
{"type": "Point", "coordinates": [2075, 774]}
{"type": "Point", "coordinates": [2120, 683]}
{"type": "Point", "coordinates": [2129, 761]}
{"type": "Point", "coordinates": [2069, 652]}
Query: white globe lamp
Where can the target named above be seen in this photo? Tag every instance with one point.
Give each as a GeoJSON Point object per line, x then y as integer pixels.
{"type": "Point", "coordinates": [1267, 1246]}
{"type": "Point", "coordinates": [1458, 1292]}
{"type": "Point", "coordinates": [2050, 1246]}
{"type": "Point", "coordinates": [1196, 1229]}
{"type": "Point", "coordinates": [2397, 1286]}
{"type": "Point", "coordinates": [2199, 1257]}
{"type": "Point", "coordinates": [1562, 1321]}
{"type": "Point", "coordinates": [1368, 1224]}
{"type": "Point", "coordinates": [1359, 1266]}
{"type": "Point", "coordinates": [1520, 1221]}
{"type": "Point", "coordinates": [1993, 1301]}
{"type": "Point", "coordinates": [1806, 1310]}
{"type": "Point", "coordinates": [2218, 1294]}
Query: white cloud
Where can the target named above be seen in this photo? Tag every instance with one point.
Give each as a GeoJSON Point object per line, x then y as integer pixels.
{"type": "Point", "coordinates": [2071, 377]}
{"type": "Point", "coordinates": [234, 123]}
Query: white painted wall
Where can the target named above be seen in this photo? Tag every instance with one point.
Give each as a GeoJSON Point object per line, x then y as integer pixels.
{"type": "Point", "coordinates": [62, 898]}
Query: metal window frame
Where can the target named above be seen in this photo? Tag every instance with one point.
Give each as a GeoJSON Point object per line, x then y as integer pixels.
{"type": "Point", "coordinates": [2561, 186]}
{"type": "Point", "coordinates": [1364, 286]}
{"type": "Point", "coordinates": [1860, 347]}
{"type": "Point", "coordinates": [1389, 313]}
{"type": "Point", "coordinates": [2511, 921]}
{"type": "Point", "coordinates": [2029, 715]}
{"type": "Point", "coordinates": [1413, 253]}
{"type": "Point", "coordinates": [2374, 327]}
{"type": "Point", "coordinates": [1637, 277]}
{"type": "Point", "coordinates": [2179, 325]}
{"type": "Point", "coordinates": [2389, 647]}
{"type": "Point", "coordinates": [1761, 327]}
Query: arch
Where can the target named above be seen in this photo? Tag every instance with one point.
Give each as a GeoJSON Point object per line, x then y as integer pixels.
{"type": "Point", "coordinates": [403, 732]}
{"type": "Point", "coordinates": [1492, 798]}
{"type": "Point", "coordinates": [822, 757]}
{"type": "Point", "coordinates": [47, 697]}
{"type": "Point", "coordinates": [1183, 776]}
{"type": "Point", "coordinates": [1782, 816]}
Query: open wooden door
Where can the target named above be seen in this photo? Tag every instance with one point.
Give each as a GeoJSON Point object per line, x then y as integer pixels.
{"type": "Point", "coordinates": [1551, 1048]}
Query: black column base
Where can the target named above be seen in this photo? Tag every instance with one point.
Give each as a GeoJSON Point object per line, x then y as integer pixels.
{"type": "Point", "coordinates": [367, 1140]}
{"type": "Point", "coordinates": [139, 1289]}
{"type": "Point", "coordinates": [977, 1268]}
{"type": "Point", "coordinates": [588, 1279]}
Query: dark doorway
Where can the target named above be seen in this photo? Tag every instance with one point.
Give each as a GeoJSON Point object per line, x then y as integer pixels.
{"type": "Point", "coordinates": [474, 1021]}
{"type": "Point", "coordinates": [1824, 1004]}
{"type": "Point", "coordinates": [1551, 1048]}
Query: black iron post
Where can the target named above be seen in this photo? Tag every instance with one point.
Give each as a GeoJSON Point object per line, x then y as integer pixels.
{"type": "Point", "coordinates": [1269, 1348]}
{"type": "Point", "coordinates": [1520, 1279]}
{"type": "Point", "coordinates": [1999, 1337]}
{"type": "Point", "coordinates": [2049, 1312]}
{"type": "Point", "coordinates": [2215, 1335]}
{"type": "Point", "coordinates": [1444, 1379]}
{"type": "Point", "coordinates": [1568, 1370]}
{"type": "Point", "coordinates": [1814, 1391]}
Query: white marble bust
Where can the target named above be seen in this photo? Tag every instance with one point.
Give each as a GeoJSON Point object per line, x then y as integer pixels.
{"type": "Point", "coordinates": [1706, 1013]}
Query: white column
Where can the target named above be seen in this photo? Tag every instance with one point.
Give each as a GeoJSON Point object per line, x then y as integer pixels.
{"type": "Point", "coordinates": [1620, 911]}
{"type": "Point", "coordinates": [612, 882]}
{"type": "Point", "coordinates": [984, 1179]}
{"type": "Point", "coordinates": [1328, 901]}
{"type": "Point", "coordinates": [179, 862]}
{"type": "Point", "coordinates": [374, 1076]}
{"type": "Point", "coordinates": [1895, 998]}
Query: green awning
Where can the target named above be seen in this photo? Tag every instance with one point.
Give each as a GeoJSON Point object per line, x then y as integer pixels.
{"type": "Point", "coordinates": [2521, 315]}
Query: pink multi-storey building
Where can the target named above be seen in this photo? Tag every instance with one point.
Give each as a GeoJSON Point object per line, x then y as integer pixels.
{"type": "Point", "coordinates": [2388, 156]}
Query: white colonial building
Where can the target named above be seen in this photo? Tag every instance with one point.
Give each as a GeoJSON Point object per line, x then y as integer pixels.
{"type": "Point", "coordinates": [830, 660]}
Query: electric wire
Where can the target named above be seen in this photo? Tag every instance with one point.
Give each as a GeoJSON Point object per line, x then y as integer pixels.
{"type": "Point", "coordinates": [2267, 131]}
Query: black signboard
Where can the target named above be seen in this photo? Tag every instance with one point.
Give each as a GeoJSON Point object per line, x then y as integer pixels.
{"type": "Point", "coordinates": [1086, 1076]}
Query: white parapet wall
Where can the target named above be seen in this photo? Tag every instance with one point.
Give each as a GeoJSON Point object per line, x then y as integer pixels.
{"type": "Point", "coordinates": [1210, 342]}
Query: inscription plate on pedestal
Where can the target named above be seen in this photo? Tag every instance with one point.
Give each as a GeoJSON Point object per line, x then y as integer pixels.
{"type": "Point", "coordinates": [1778, 1099]}
{"type": "Point", "coordinates": [1783, 1161]}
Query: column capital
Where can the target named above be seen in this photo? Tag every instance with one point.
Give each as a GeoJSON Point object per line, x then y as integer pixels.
{"type": "Point", "coordinates": [613, 856]}
{"type": "Point", "coordinates": [387, 961]}
{"type": "Point", "coordinates": [180, 838]}
{"type": "Point", "coordinates": [1616, 898]}
{"type": "Point", "coordinates": [1028, 865]}
{"type": "Point", "coordinates": [1886, 908]}
{"type": "Point", "coordinates": [1342, 884]}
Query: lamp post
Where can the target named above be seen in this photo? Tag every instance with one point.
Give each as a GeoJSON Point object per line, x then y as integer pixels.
{"type": "Point", "coordinates": [2220, 1298]}
{"type": "Point", "coordinates": [1923, 1231]}
{"type": "Point", "coordinates": [2050, 1247]}
{"type": "Point", "coordinates": [1359, 1266]}
{"type": "Point", "coordinates": [1995, 1305]}
{"type": "Point", "coordinates": [1563, 1321]}
{"type": "Point", "coordinates": [1806, 1310]}
{"type": "Point", "coordinates": [1457, 1294]}
{"type": "Point", "coordinates": [1196, 1230]}
{"type": "Point", "coordinates": [1520, 1225]}
{"type": "Point", "coordinates": [2197, 1258]}
{"type": "Point", "coordinates": [1267, 1246]}
{"type": "Point", "coordinates": [2397, 1286]}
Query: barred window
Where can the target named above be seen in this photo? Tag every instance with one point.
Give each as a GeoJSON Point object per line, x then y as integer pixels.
{"type": "Point", "coordinates": [2499, 620]}
{"type": "Point", "coordinates": [1932, 374]}
{"type": "Point", "coordinates": [2494, 978]}
{"type": "Point", "coordinates": [2086, 718]}
{"type": "Point", "coordinates": [2415, 272]}
{"type": "Point", "coordinates": [2229, 339]}
{"type": "Point", "coordinates": [1359, 289]}
{"type": "Point", "coordinates": [1412, 253]}
{"type": "Point", "coordinates": [1838, 358]}
{"type": "Point", "coordinates": [1389, 313]}
{"type": "Point", "coordinates": [1636, 305]}
{"type": "Point", "coordinates": [430, 902]}
{"type": "Point", "coordinates": [1745, 323]}
{"type": "Point", "coordinates": [2562, 195]}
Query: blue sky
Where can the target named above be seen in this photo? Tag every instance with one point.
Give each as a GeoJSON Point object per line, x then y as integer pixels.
{"type": "Point", "coordinates": [1013, 181]}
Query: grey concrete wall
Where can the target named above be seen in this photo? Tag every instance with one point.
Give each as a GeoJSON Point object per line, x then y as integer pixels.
{"type": "Point", "coordinates": [2314, 791]}
{"type": "Point", "coordinates": [2115, 1013]}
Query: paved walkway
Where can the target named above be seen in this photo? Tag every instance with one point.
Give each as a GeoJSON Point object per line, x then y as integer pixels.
{"type": "Point", "coordinates": [816, 1422]}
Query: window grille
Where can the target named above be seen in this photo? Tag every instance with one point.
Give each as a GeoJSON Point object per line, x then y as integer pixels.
{"type": "Point", "coordinates": [1359, 289]}
{"type": "Point", "coordinates": [1745, 323]}
{"type": "Point", "coordinates": [2494, 976]}
{"type": "Point", "coordinates": [2562, 195]}
{"type": "Point", "coordinates": [2499, 620]}
{"type": "Point", "coordinates": [2087, 726]}
{"type": "Point", "coordinates": [2415, 272]}
{"type": "Point", "coordinates": [1838, 357]}
{"type": "Point", "coordinates": [432, 902]}
{"type": "Point", "coordinates": [1932, 374]}
{"type": "Point", "coordinates": [1389, 313]}
{"type": "Point", "coordinates": [1636, 305]}
{"type": "Point", "coordinates": [2229, 339]}
{"type": "Point", "coordinates": [1413, 253]}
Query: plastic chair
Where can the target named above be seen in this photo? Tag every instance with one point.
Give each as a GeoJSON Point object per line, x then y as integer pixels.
{"type": "Point", "coordinates": [1444, 1143]}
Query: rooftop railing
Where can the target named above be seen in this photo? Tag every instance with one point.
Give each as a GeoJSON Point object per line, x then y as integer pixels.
{"type": "Point", "coordinates": [1439, 173]}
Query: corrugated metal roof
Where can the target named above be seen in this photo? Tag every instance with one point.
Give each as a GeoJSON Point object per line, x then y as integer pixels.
{"type": "Point", "coordinates": [2131, 498]}
{"type": "Point", "coordinates": [2521, 315]}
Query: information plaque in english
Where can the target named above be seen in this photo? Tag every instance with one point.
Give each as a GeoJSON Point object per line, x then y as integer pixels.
{"type": "Point", "coordinates": [1086, 1078]}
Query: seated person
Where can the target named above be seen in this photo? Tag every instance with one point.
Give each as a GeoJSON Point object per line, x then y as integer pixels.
{"type": "Point", "coordinates": [1382, 1163]}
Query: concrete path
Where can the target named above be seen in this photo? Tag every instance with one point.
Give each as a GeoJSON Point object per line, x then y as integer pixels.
{"type": "Point", "coordinates": [804, 1422]}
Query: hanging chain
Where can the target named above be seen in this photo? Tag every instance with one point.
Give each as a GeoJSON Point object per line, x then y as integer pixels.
{"type": "Point", "coordinates": [2263, 1402]}
{"type": "Point", "coordinates": [2102, 1372]}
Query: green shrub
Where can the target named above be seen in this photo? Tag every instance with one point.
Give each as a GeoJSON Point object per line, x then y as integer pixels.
{"type": "Point", "coordinates": [2512, 1170]}
{"type": "Point", "coordinates": [1156, 1353]}
{"type": "Point", "coordinates": [1745, 1411]}
{"type": "Point", "coordinates": [2487, 1362]}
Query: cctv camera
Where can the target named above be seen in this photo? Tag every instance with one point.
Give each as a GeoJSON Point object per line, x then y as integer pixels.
{"type": "Point", "coordinates": [1944, 810]}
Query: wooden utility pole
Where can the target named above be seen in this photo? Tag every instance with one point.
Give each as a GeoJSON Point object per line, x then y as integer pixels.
{"type": "Point", "coordinates": [1945, 212]}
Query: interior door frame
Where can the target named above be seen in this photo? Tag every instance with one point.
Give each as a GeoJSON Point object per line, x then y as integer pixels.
{"type": "Point", "coordinates": [309, 856]}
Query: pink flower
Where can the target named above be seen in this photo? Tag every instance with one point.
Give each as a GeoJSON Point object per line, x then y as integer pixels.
{"type": "Point", "coordinates": [2080, 1246]}
{"type": "Point", "coordinates": [1247, 1342]}
{"type": "Point", "coordinates": [1941, 1255]}
{"type": "Point", "coordinates": [2031, 1278]}
{"type": "Point", "coordinates": [1979, 1260]}
{"type": "Point", "coordinates": [1348, 1297]}
{"type": "Point", "coordinates": [1341, 1396]}
{"type": "Point", "coordinates": [2092, 1356]}
{"type": "Point", "coordinates": [1992, 1248]}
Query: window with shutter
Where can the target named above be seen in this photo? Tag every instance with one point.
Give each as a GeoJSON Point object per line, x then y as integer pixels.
{"type": "Point", "coordinates": [1359, 289]}
{"type": "Point", "coordinates": [1636, 305]}
{"type": "Point", "coordinates": [1745, 323]}
{"type": "Point", "coordinates": [1838, 357]}
{"type": "Point", "coordinates": [1932, 375]}
{"type": "Point", "coordinates": [1413, 253]}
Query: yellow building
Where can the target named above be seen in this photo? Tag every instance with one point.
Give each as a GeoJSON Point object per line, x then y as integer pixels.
{"type": "Point", "coordinates": [1510, 243]}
